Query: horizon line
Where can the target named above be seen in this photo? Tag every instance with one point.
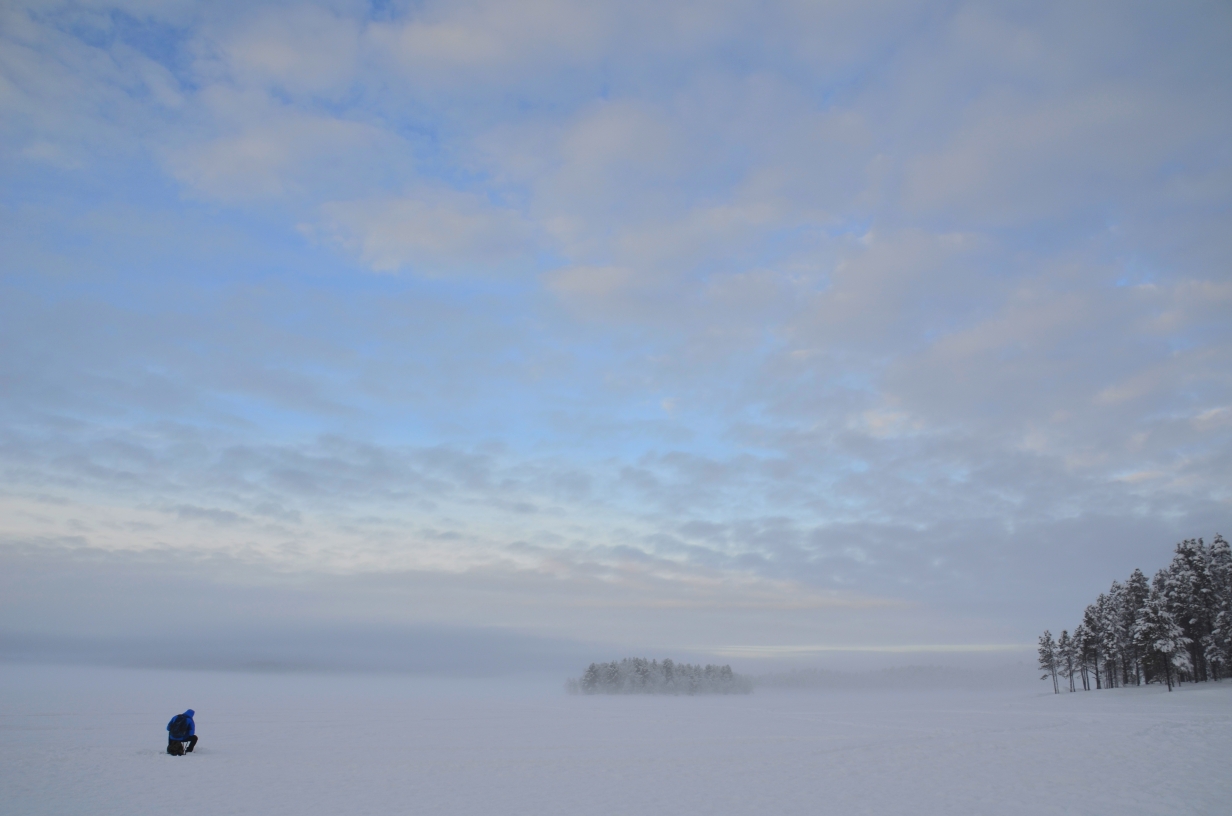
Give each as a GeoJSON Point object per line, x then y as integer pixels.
{"type": "Point", "coordinates": [784, 651]}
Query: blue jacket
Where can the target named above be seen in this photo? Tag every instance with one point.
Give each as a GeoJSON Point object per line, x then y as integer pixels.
{"type": "Point", "coordinates": [192, 726]}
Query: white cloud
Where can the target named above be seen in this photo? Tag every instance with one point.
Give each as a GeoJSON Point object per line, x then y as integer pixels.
{"type": "Point", "coordinates": [1213, 419]}
{"type": "Point", "coordinates": [264, 150]}
{"type": "Point", "coordinates": [435, 232]}
{"type": "Point", "coordinates": [469, 48]}
{"type": "Point", "coordinates": [301, 51]}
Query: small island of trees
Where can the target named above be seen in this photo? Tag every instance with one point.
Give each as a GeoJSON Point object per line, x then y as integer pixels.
{"type": "Point", "coordinates": [1173, 628]}
{"type": "Point", "coordinates": [637, 675]}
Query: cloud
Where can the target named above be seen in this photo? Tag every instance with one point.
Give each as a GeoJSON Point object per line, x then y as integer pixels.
{"type": "Point", "coordinates": [299, 51]}
{"type": "Point", "coordinates": [1056, 123]}
{"type": "Point", "coordinates": [728, 315]}
{"type": "Point", "coordinates": [434, 233]}
{"type": "Point", "coordinates": [268, 151]}
{"type": "Point", "coordinates": [234, 610]}
{"type": "Point", "coordinates": [1213, 418]}
{"type": "Point", "coordinates": [489, 42]}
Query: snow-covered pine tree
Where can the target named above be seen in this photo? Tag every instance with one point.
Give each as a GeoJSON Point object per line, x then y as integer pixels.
{"type": "Point", "coordinates": [590, 679]}
{"type": "Point", "coordinates": [1217, 646]}
{"type": "Point", "coordinates": [611, 677]}
{"type": "Point", "coordinates": [641, 673]}
{"type": "Point", "coordinates": [1065, 658]}
{"type": "Point", "coordinates": [1160, 639]}
{"type": "Point", "coordinates": [1219, 564]}
{"type": "Point", "coordinates": [1093, 625]}
{"type": "Point", "coordinates": [1118, 636]}
{"type": "Point", "coordinates": [1190, 593]}
{"type": "Point", "coordinates": [1108, 637]}
{"type": "Point", "coordinates": [1137, 589]}
{"type": "Point", "coordinates": [1082, 654]}
{"type": "Point", "coordinates": [1048, 660]}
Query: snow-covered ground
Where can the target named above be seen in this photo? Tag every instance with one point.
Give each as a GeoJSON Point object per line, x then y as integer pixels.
{"type": "Point", "coordinates": [86, 740]}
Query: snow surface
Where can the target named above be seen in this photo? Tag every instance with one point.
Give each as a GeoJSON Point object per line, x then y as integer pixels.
{"type": "Point", "coordinates": [88, 740]}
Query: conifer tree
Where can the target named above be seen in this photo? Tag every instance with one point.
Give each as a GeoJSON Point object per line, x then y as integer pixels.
{"type": "Point", "coordinates": [1137, 588]}
{"type": "Point", "coordinates": [1048, 660]}
{"type": "Point", "coordinates": [1065, 658]}
{"type": "Point", "coordinates": [1092, 622]}
{"type": "Point", "coordinates": [1118, 636]}
{"type": "Point", "coordinates": [1191, 598]}
{"type": "Point", "coordinates": [1160, 640]}
{"type": "Point", "coordinates": [1083, 651]}
{"type": "Point", "coordinates": [1217, 646]}
{"type": "Point", "coordinates": [1108, 631]}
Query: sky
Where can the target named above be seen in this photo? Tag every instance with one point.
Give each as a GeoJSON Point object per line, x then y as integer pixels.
{"type": "Point", "coordinates": [758, 330]}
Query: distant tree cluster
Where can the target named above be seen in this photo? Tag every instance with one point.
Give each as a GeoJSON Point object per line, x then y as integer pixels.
{"type": "Point", "coordinates": [637, 675]}
{"type": "Point", "coordinates": [1175, 627]}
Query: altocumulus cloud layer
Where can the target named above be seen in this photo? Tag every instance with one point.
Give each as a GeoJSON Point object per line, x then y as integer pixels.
{"type": "Point", "coordinates": [748, 327]}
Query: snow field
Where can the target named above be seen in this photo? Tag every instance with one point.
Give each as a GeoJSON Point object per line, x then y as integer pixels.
{"type": "Point", "coordinates": [76, 740]}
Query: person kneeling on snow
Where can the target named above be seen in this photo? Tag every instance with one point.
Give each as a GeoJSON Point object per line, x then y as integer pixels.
{"type": "Point", "coordinates": [180, 730]}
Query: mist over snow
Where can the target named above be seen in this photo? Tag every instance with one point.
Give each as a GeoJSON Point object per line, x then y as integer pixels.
{"type": "Point", "coordinates": [470, 337]}
{"type": "Point", "coordinates": [325, 743]}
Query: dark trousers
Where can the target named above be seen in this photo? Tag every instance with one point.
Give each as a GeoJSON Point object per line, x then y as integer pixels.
{"type": "Point", "coordinates": [192, 743]}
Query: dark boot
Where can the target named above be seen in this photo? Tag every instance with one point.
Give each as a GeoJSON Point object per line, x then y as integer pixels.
{"type": "Point", "coordinates": [175, 748]}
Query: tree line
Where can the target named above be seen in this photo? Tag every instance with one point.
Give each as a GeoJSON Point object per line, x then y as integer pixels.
{"type": "Point", "coordinates": [1173, 628]}
{"type": "Point", "coordinates": [637, 675]}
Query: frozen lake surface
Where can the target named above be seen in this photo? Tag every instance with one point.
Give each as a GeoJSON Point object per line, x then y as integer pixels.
{"type": "Point", "coordinates": [86, 740]}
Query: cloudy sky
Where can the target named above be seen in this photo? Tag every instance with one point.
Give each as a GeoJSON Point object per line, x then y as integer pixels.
{"type": "Point", "coordinates": [743, 328]}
